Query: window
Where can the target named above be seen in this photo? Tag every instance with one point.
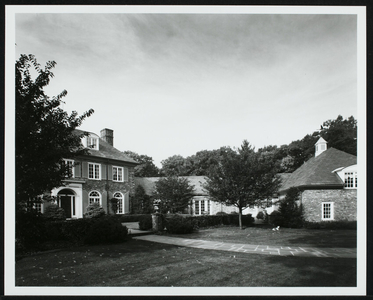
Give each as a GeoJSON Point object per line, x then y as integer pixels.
{"type": "Point", "coordinates": [94, 171]}
{"type": "Point", "coordinates": [118, 174]}
{"type": "Point", "coordinates": [92, 143]}
{"type": "Point", "coordinates": [201, 206]}
{"type": "Point", "coordinates": [120, 198]}
{"type": "Point", "coordinates": [94, 197]}
{"type": "Point", "coordinates": [350, 180]}
{"type": "Point", "coordinates": [69, 163]}
{"type": "Point", "coordinates": [38, 207]}
{"type": "Point", "coordinates": [327, 212]}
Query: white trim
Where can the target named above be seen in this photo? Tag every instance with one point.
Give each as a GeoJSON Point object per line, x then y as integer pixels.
{"type": "Point", "coordinates": [99, 170]}
{"type": "Point", "coordinates": [121, 199]}
{"type": "Point", "coordinates": [95, 197]}
{"type": "Point", "coordinates": [122, 173]}
{"type": "Point", "coordinates": [331, 218]}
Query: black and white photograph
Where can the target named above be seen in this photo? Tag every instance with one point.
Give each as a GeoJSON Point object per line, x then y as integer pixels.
{"type": "Point", "coordinates": [185, 150]}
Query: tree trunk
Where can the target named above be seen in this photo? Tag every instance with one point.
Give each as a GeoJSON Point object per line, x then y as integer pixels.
{"type": "Point", "coordinates": [240, 217]}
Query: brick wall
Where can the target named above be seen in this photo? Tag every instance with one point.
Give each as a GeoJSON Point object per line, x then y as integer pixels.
{"type": "Point", "coordinates": [344, 204]}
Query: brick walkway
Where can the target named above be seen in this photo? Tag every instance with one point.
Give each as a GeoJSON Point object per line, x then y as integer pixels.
{"type": "Point", "coordinates": [257, 249]}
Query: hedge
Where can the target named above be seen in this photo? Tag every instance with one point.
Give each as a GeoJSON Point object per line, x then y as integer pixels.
{"type": "Point", "coordinates": [33, 231]}
{"type": "Point", "coordinates": [344, 224]}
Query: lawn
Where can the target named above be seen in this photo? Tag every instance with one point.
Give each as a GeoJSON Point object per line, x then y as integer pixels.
{"type": "Point", "coordinates": [264, 235]}
{"type": "Point", "coordinates": [140, 263]}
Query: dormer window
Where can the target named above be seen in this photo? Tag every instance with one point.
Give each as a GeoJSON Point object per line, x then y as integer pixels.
{"type": "Point", "coordinates": [92, 142]}
{"type": "Point", "coordinates": [350, 180]}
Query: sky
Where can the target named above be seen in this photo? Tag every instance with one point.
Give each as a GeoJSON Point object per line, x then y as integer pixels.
{"type": "Point", "coordinates": [176, 84]}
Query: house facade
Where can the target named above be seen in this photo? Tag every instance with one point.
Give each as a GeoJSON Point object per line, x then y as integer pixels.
{"type": "Point", "coordinates": [327, 184]}
{"type": "Point", "coordinates": [104, 174]}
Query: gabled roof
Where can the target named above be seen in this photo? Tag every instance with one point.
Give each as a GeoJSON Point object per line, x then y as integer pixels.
{"type": "Point", "coordinates": [148, 183]}
{"type": "Point", "coordinates": [317, 171]}
{"type": "Point", "coordinates": [107, 151]}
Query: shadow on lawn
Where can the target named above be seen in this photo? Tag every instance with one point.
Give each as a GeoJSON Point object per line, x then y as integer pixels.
{"type": "Point", "coordinates": [320, 238]}
{"type": "Point", "coordinates": [318, 272]}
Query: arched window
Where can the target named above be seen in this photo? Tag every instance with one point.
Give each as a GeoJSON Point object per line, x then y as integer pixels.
{"type": "Point", "coordinates": [120, 198]}
{"type": "Point", "coordinates": [94, 197]}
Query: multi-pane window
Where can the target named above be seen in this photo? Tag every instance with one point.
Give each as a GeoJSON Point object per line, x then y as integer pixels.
{"type": "Point", "coordinates": [119, 197]}
{"type": "Point", "coordinates": [350, 179]}
{"type": "Point", "coordinates": [94, 171]}
{"type": "Point", "coordinates": [94, 197]}
{"type": "Point", "coordinates": [69, 163]}
{"type": "Point", "coordinates": [201, 206]}
{"type": "Point", "coordinates": [38, 207]}
{"type": "Point", "coordinates": [327, 211]}
{"type": "Point", "coordinates": [92, 143]}
{"type": "Point", "coordinates": [118, 174]}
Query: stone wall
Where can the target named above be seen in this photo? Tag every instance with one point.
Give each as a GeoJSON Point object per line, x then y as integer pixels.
{"type": "Point", "coordinates": [345, 201]}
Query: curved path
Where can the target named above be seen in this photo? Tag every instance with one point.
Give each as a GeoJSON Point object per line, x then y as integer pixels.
{"type": "Point", "coordinates": [257, 249]}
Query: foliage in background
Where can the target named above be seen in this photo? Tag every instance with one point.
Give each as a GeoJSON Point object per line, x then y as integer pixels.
{"type": "Point", "coordinates": [146, 168]}
{"type": "Point", "coordinates": [174, 193]}
{"type": "Point", "coordinates": [94, 210]}
{"type": "Point", "coordinates": [44, 132]}
{"type": "Point", "coordinates": [243, 178]}
{"type": "Point", "coordinates": [141, 203]}
{"type": "Point", "coordinates": [178, 224]}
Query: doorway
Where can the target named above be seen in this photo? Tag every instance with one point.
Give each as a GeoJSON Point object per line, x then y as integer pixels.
{"type": "Point", "coordinates": [66, 200]}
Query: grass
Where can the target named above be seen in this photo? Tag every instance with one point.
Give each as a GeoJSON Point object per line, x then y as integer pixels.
{"type": "Point", "coordinates": [138, 263]}
{"type": "Point", "coordinates": [264, 235]}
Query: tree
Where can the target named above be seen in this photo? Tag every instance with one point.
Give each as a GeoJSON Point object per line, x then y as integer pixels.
{"type": "Point", "coordinates": [44, 132]}
{"type": "Point", "coordinates": [141, 203]}
{"type": "Point", "coordinates": [341, 134]}
{"type": "Point", "coordinates": [147, 168]}
{"type": "Point", "coordinates": [291, 214]}
{"type": "Point", "coordinates": [175, 165]}
{"type": "Point", "coordinates": [174, 193]}
{"type": "Point", "coordinates": [242, 178]}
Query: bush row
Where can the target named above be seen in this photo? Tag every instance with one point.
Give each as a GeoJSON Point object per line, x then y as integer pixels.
{"type": "Point", "coordinates": [33, 231]}
{"type": "Point", "coordinates": [331, 225]}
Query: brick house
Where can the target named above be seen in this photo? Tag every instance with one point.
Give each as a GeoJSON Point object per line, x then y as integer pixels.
{"type": "Point", "coordinates": [328, 185]}
{"type": "Point", "coordinates": [103, 174]}
{"type": "Point", "coordinates": [201, 204]}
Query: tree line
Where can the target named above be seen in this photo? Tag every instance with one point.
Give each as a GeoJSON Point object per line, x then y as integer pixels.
{"type": "Point", "coordinates": [340, 133]}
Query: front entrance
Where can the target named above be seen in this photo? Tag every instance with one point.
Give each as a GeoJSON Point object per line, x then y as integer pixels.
{"type": "Point", "coordinates": [66, 200]}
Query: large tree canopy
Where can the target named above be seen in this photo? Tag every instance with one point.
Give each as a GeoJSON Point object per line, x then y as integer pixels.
{"type": "Point", "coordinates": [146, 168]}
{"type": "Point", "coordinates": [243, 178]}
{"type": "Point", "coordinates": [44, 132]}
{"type": "Point", "coordinates": [174, 193]}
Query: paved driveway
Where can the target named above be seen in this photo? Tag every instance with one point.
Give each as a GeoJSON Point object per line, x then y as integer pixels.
{"type": "Point", "coordinates": [256, 249]}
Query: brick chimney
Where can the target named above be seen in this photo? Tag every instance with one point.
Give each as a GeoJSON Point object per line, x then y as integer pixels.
{"type": "Point", "coordinates": [107, 135]}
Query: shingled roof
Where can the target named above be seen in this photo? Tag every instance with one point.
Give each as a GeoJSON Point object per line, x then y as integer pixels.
{"type": "Point", "coordinates": [107, 151]}
{"type": "Point", "coordinates": [148, 183]}
{"type": "Point", "coordinates": [317, 171]}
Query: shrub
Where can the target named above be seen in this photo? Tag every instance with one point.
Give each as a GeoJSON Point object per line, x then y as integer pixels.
{"type": "Point", "coordinates": [178, 224]}
{"type": "Point", "coordinates": [290, 213]}
{"type": "Point", "coordinates": [94, 210]}
{"type": "Point", "coordinates": [260, 215]}
{"type": "Point", "coordinates": [105, 230]}
{"type": "Point", "coordinates": [275, 218]}
{"type": "Point", "coordinates": [54, 212]}
{"type": "Point", "coordinates": [131, 218]}
{"type": "Point", "coordinates": [30, 230]}
{"type": "Point", "coordinates": [343, 224]}
{"type": "Point", "coordinates": [221, 213]}
{"type": "Point", "coordinates": [145, 222]}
